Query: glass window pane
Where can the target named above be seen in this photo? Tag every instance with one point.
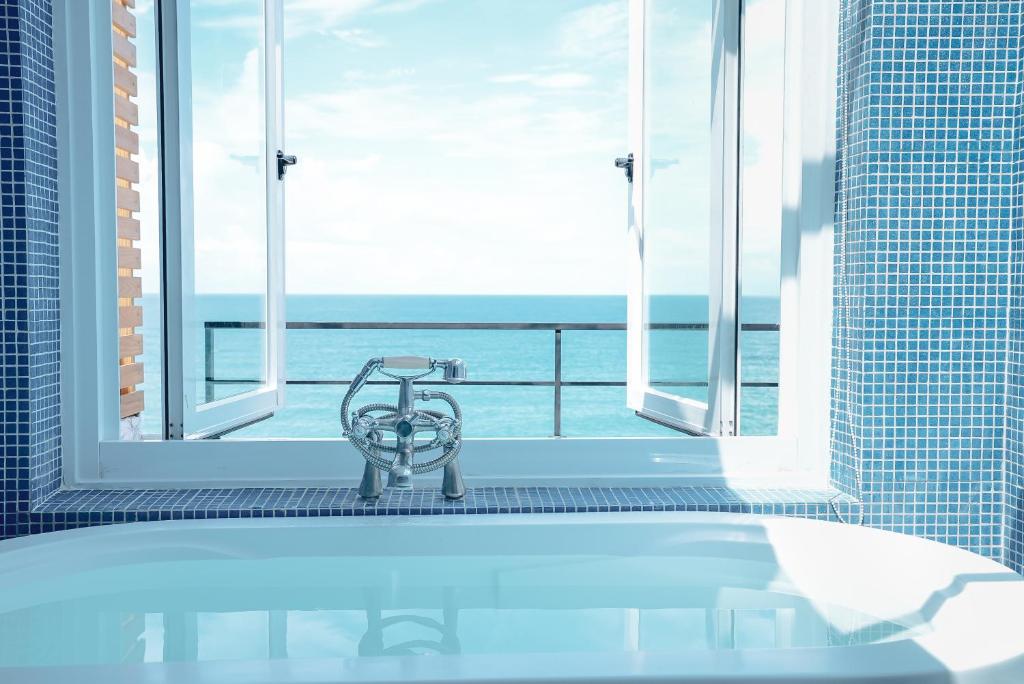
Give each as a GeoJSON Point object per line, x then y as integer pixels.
{"type": "Point", "coordinates": [229, 129]}
{"type": "Point", "coordinates": [677, 192]}
{"type": "Point", "coordinates": [138, 222]}
{"type": "Point", "coordinates": [763, 88]}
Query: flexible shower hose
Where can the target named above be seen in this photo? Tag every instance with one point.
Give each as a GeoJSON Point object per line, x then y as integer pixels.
{"type": "Point", "coordinates": [369, 449]}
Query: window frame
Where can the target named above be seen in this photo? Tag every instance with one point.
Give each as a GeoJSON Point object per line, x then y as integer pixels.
{"type": "Point", "coordinates": [718, 415]}
{"type": "Point", "coordinates": [94, 457]}
{"type": "Point", "coordinates": [186, 416]}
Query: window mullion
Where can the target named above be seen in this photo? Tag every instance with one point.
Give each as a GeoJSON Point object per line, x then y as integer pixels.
{"type": "Point", "coordinates": [174, 116]}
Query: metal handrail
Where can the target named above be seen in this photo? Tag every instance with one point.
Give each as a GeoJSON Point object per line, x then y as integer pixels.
{"type": "Point", "coordinates": [210, 328]}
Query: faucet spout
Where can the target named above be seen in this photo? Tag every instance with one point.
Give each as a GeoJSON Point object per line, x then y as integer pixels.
{"type": "Point", "coordinates": [400, 476]}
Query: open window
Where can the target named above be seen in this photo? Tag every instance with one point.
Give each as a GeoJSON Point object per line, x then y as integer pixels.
{"type": "Point", "coordinates": [220, 141]}
{"type": "Point", "coordinates": [683, 213]}
{"type": "Point", "coordinates": [399, 145]}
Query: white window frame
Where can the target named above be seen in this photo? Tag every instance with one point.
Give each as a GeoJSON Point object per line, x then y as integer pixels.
{"type": "Point", "coordinates": [717, 415]}
{"type": "Point", "coordinates": [188, 416]}
{"type": "Point", "coordinates": [94, 457]}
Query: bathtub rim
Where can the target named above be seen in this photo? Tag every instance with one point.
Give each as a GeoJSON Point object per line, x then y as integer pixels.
{"type": "Point", "coordinates": [942, 655]}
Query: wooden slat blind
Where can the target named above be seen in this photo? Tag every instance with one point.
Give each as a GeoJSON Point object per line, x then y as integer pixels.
{"type": "Point", "coordinates": [129, 317]}
{"type": "Point", "coordinates": [124, 49]}
{"type": "Point", "coordinates": [126, 109]}
{"type": "Point", "coordinates": [129, 256]}
{"type": "Point", "coordinates": [124, 20]}
{"type": "Point", "coordinates": [128, 228]}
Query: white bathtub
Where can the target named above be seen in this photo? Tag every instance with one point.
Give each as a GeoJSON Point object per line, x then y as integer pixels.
{"type": "Point", "coordinates": [681, 597]}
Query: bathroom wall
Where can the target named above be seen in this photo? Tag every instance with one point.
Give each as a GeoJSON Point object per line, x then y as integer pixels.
{"type": "Point", "coordinates": [929, 345]}
{"type": "Point", "coordinates": [1013, 530]}
{"type": "Point", "coordinates": [29, 350]}
{"type": "Point", "coordinates": [931, 139]}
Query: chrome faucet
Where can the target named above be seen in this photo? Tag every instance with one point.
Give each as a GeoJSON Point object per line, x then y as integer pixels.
{"type": "Point", "coordinates": [366, 430]}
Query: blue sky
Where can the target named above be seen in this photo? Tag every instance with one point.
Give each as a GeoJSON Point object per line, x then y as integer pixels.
{"type": "Point", "coordinates": [445, 146]}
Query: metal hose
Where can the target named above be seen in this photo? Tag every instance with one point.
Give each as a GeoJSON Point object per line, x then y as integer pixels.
{"type": "Point", "coordinates": [370, 453]}
{"type": "Point", "coordinates": [451, 452]}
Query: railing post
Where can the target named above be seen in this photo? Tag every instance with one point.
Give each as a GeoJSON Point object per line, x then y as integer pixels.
{"type": "Point", "coordinates": [558, 382]}
{"type": "Point", "coordinates": [208, 363]}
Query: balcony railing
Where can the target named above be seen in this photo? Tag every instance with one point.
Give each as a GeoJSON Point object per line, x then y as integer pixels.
{"type": "Point", "coordinates": [556, 382]}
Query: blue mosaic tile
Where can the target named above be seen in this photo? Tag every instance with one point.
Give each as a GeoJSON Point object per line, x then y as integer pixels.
{"type": "Point", "coordinates": [86, 507]}
{"type": "Point", "coordinates": [29, 285]}
{"type": "Point", "coordinates": [1013, 524]}
{"type": "Point", "coordinates": [925, 211]}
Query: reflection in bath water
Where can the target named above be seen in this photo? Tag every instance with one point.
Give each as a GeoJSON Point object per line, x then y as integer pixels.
{"type": "Point", "coordinates": [229, 610]}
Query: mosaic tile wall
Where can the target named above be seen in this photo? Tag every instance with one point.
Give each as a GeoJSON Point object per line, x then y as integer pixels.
{"type": "Point", "coordinates": [29, 290]}
{"type": "Point", "coordinates": [1013, 529]}
{"type": "Point", "coordinates": [924, 239]}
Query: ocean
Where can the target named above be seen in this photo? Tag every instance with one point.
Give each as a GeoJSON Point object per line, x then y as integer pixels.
{"type": "Point", "coordinates": [489, 411]}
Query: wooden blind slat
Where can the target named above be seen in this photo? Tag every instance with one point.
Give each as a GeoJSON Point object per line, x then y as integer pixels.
{"type": "Point", "coordinates": [127, 169]}
{"type": "Point", "coordinates": [126, 139]}
{"type": "Point", "coordinates": [126, 80]}
{"type": "Point", "coordinates": [128, 228]}
{"type": "Point", "coordinates": [124, 49]}
{"type": "Point", "coordinates": [129, 317]}
{"type": "Point", "coordinates": [123, 19]}
{"type": "Point", "coordinates": [129, 286]}
{"type": "Point", "coordinates": [131, 375]}
{"type": "Point", "coordinates": [129, 257]}
{"type": "Point", "coordinates": [129, 345]}
{"type": "Point", "coordinates": [128, 199]}
{"type": "Point", "coordinates": [132, 403]}
{"type": "Point", "coordinates": [126, 109]}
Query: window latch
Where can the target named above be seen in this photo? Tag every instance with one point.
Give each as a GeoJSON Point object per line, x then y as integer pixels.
{"type": "Point", "coordinates": [627, 164]}
{"type": "Point", "coordinates": [283, 162]}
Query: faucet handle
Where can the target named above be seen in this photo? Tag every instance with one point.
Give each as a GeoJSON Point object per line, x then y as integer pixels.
{"type": "Point", "coordinates": [408, 362]}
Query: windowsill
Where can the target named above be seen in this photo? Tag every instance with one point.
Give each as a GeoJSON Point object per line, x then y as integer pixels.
{"type": "Point", "coordinates": [81, 507]}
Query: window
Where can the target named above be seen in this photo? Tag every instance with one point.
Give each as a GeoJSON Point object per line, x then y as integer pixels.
{"type": "Point", "coordinates": [138, 225]}
{"type": "Point", "coordinates": [222, 202]}
{"type": "Point", "coordinates": [762, 100]}
{"type": "Point", "coordinates": [696, 241]}
{"type": "Point", "coordinates": [127, 117]}
{"type": "Point", "coordinates": [683, 211]}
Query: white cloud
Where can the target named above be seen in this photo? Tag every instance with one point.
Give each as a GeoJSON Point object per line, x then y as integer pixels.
{"type": "Point", "coordinates": [479, 190]}
{"type": "Point", "coordinates": [596, 31]}
{"type": "Point", "coordinates": [307, 16]}
{"type": "Point", "coordinates": [473, 191]}
{"type": "Point", "coordinates": [564, 80]}
{"type": "Point", "coordinates": [359, 38]}
{"type": "Point", "coordinates": [319, 16]}
{"type": "Point", "coordinates": [242, 22]}
{"type": "Point", "coordinates": [304, 16]}
{"type": "Point", "coordinates": [398, 6]}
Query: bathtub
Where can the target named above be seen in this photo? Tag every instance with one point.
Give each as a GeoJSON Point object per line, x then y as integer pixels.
{"type": "Point", "coordinates": [681, 597]}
